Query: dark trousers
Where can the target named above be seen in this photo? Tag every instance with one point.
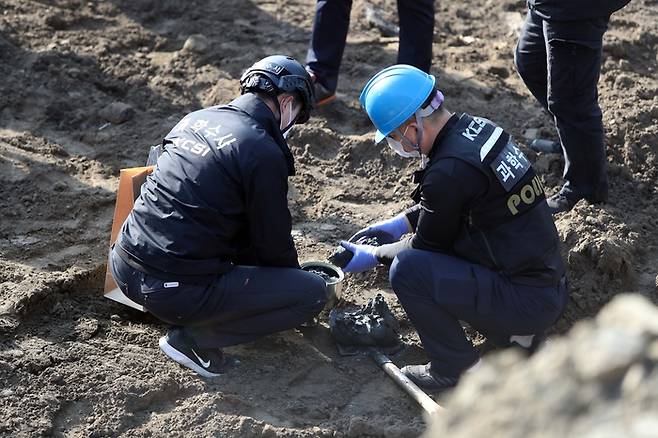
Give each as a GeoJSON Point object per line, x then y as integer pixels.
{"type": "Point", "coordinates": [437, 291]}
{"type": "Point", "coordinates": [245, 304]}
{"type": "Point", "coordinates": [332, 20]}
{"type": "Point", "coordinates": [560, 63]}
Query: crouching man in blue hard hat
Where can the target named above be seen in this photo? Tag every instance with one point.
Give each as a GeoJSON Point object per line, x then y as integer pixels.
{"type": "Point", "coordinates": [483, 249]}
{"type": "Point", "coordinates": [207, 247]}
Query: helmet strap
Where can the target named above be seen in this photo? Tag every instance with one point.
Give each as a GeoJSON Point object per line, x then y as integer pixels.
{"type": "Point", "coordinates": [434, 104]}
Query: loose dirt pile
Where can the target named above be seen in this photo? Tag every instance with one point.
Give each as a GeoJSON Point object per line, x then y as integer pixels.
{"type": "Point", "coordinates": [599, 381]}
{"type": "Point", "coordinates": [88, 85]}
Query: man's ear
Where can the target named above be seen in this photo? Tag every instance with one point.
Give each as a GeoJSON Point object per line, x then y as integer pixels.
{"type": "Point", "coordinates": [412, 124]}
{"type": "Point", "coordinates": [285, 98]}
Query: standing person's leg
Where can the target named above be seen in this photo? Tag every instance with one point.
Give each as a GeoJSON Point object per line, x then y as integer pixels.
{"type": "Point", "coordinates": [530, 58]}
{"type": "Point", "coordinates": [574, 65]}
{"type": "Point", "coordinates": [330, 26]}
{"type": "Point", "coordinates": [438, 290]}
{"type": "Point", "coordinates": [416, 33]}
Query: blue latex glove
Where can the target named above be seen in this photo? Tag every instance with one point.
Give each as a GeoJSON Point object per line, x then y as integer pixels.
{"type": "Point", "coordinates": [392, 228]}
{"type": "Point", "coordinates": [364, 257]}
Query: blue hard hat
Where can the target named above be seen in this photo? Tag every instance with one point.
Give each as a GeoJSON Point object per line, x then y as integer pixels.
{"type": "Point", "coordinates": [393, 95]}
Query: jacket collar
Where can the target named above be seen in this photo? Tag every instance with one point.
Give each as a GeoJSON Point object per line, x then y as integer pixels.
{"type": "Point", "coordinates": [263, 115]}
{"type": "Point", "coordinates": [450, 124]}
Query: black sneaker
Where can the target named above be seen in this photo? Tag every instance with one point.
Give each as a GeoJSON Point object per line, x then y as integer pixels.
{"type": "Point", "coordinates": [428, 381]}
{"type": "Point", "coordinates": [207, 362]}
{"type": "Point", "coordinates": [529, 344]}
{"type": "Point", "coordinates": [559, 203]}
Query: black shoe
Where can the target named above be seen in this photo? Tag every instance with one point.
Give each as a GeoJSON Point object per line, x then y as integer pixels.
{"type": "Point", "coordinates": [207, 362]}
{"type": "Point", "coordinates": [428, 381]}
{"type": "Point", "coordinates": [529, 344]}
{"type": "Point", "coordinates": [546, 146]}
{"type": "Point", "coordinates": [600, 196]}
{"type": "Point", "coordinates": [559, 203]}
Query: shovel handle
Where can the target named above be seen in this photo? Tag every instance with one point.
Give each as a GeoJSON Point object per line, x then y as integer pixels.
{"type": "Point", "coordinates": [424, 400]}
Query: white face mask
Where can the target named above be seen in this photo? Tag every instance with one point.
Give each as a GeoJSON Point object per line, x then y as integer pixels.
{"type": "Point", "coordinates": [399, 149]}
{"type": "Point", "coordinates": [287, 127]}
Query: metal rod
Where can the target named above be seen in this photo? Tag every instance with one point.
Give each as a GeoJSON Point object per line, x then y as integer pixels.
{"type": "Point", "coordinates": [424, 400]}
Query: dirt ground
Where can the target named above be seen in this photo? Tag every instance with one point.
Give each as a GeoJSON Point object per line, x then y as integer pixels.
{"type": "Point", "coordinates": [73, 363]}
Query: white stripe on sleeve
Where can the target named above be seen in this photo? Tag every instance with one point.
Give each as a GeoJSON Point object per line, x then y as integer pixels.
{"type": "Point", "coordinates": [486, 147]}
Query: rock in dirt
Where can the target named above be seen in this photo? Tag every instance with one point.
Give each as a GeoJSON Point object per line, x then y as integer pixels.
{"type": "Point", "coordinates": [361, 426]}
{"type": "Point", "coordinates": [60, 186]}
{"type": "Point", "coordinates": [624, 82]}
{"type": "Point", "coordinates": [375, 18]}
{"type": "Point", "coordinates": [117, 113]}
{"type": "Point", "coordinates": [531, 133]}
{"type": "Point", "coordinates": [600, 380]}
{"type": "Point", "coordinates": [500, 71]}
{"type": "Point", "coordinates": [615, 258]}
{"type": "Point", "coordinates": [196, 43]}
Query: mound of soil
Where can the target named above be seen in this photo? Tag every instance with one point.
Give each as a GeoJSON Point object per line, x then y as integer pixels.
{"type": "Point", "coordinates": [88, 86]}
{"type": "Point", "coordinates": [600, 380]}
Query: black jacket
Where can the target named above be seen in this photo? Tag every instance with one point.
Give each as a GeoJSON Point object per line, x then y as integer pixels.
{"type": "Point", "coordinates": [217, 196]}
{"type": "Point", "coordinates": [479, 199]}
{"type": "Point", "coordinates": [568, 10]}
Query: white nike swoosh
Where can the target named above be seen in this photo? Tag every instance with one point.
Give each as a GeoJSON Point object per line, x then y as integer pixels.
{"type": "Point", "coordinates": [205, 364]}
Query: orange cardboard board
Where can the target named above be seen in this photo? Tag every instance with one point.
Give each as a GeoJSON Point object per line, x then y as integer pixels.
{"type": "Point", "coordinates": [130, 183]}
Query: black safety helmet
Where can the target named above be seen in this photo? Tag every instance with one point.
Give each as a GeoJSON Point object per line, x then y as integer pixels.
{"type": "Point", "coordinates": [280, 74]}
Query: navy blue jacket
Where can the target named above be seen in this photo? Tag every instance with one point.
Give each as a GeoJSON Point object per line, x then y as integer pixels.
{"type": "Point", "coordinates": [568, 10]}
{"type": "Point", "coordinates": [217, 196]}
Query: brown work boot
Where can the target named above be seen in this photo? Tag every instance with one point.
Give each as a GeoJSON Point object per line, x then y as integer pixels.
{"type": "Point", "coordinates": [323, 96]}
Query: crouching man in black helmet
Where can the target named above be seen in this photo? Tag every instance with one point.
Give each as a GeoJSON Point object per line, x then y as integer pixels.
{"type": "Point", "coordinates": [207, 247]}
{"type": "Point", "coordinates": [484, 248]}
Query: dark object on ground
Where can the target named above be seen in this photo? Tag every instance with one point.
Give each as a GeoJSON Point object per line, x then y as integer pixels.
{"type": "Point", "coordinates": [546, 146]}
{"type": "Point", "coordinates": [341, 256]}
{"type": "Point", "coordinates": [372, 325]}
{"type": "Point", "coordinates": [373, 330]}
{"type": "Point", "coordinates": [117, 113]}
